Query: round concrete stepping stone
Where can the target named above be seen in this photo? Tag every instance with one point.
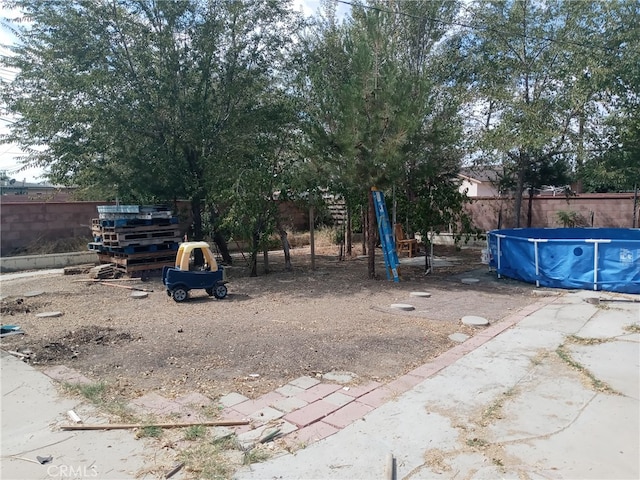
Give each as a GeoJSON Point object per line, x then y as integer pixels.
{"type": "Point", "coordinates": [33, 293]}
{"type": "Point", "coordinates": [420, 294]}
{"type": "Point", "coordinates": [469, 281]}
{"type": "Point", "coordinates": [403, 306]}
{"type": "Point", "coordinates": [458, 337]}
{"type": "Point", "coordinates": [48, 314]}
{"type": "Point", "coordinates": [475, 321]}
{"type": "Point", "coordinates": [139, 294]}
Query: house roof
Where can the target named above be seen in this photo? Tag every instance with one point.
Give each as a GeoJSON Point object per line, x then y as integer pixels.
{"type": "Point", "coordinates": [489, 174]}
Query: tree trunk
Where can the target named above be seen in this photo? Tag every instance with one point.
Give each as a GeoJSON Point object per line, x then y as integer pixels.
{"type": "Point", "coordinates": [218, 237]}
{"type": "Point", "coordinates": [286, 246]}
{"type": "Point", "coordinates": [365, 229]}
{"type": "Point", "coordinates": [371, 237]}
{"type": "Point", "coordinates": [196, 217]}
{"type": "Point", "coordinates": [530, 207]}
{"type": "Point", "coordinates": [349, 235]}
{"type": "Point", "coordinates": [221, 242]}
{"type": "Point", "coordinates": [312, 239]}
{"type": "Point", "coordinates": [255, 241]}
{"type": "Point", "coordinates": [265, 257]}
{"type": "Point", "coordinates": [517, 208]}
{"type": "Point", "coordinates": [635, 205]}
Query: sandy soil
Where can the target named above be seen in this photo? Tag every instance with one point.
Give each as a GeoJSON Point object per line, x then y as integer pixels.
{"type": "Point", "coordinates": [269, 330]}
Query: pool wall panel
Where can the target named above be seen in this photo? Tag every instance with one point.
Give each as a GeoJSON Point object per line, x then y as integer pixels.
{"type": "Point", "coordinates": [585, 258]}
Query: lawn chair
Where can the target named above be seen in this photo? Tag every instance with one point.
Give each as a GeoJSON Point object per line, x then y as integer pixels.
{"type": "Point", "coordinates": [410, 245]}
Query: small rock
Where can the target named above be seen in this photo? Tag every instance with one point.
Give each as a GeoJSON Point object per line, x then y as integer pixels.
{"type": "Point", "coordinates": [48, 314]}
{"type": "Point", "coordinates": [33, 293]}
{"type": "Point", "coordinates": [139, 295]}
{"type": "Point", "coordinates": [403, 306]}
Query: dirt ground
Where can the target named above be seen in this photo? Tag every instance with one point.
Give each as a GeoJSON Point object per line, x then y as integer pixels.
{"type": "Point", "coordinates": [269, 330]}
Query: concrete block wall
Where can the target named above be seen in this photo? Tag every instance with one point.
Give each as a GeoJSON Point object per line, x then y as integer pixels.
{"type": "Point", "coordinates": [26, 223]}
{"type": "Point", "coordinates": [613, 210]}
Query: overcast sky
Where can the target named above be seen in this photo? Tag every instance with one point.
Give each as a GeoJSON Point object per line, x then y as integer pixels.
{"type": "Point", "coordinates": [8, 162]}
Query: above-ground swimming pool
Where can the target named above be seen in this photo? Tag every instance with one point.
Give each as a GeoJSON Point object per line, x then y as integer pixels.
{"type": "Point", "coordinates": [587, 258]}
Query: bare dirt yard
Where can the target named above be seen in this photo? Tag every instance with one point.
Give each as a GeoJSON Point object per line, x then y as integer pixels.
{"type": "Point", "coordinates": [269, 330]}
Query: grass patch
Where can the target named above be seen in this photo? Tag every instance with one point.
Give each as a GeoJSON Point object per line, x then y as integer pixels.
{"type": "Point", "coordinates": [633, 328]}
{"type": "Point", "coordinates": [100, 395]}
{"type": "Point", "coordinates": [255, 455]}
{"type": "Point", "coordinates": [477, 442]}
{"type": "Point", "coordinates": [596, 383]}
{"type": "Point", "coordinates": [206, 459]}
{"type": "Point", "coordinates": [494, 411]}
{"type": "Point", "coordinates": [586, 341]}
{"type": "Point", "coordinates": [93, 392]}
{"type": "Point", "coordinates": [149, 431]}
{"type": "Point", "coordinates": [539, 358]}
{"type": "Point", "coordinates": [194, 432]}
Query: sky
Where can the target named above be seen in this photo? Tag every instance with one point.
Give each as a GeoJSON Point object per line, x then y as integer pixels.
{"type": "Point", "coordinates": [8, 153]}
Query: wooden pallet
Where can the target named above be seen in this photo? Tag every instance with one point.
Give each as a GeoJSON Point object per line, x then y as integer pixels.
{"type": "Point", "coordinates": [138, 262]}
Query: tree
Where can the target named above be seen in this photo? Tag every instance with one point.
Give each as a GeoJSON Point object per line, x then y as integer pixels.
{"type": "Point", "coordinates": [533, 83]}
{"type": "Point", "coordinates": [151, 99]}
{"type": "Point", "coordinates": [376, 113]}
{"type": "Point", "coordinates": [615, 163]}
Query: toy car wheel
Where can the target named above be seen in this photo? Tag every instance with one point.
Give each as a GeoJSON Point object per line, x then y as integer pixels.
{"type": "Point", "coordinates": [220, 291]}
{"type": "Point", "coordinates": [180, 294]}
{"type": "Point", "coordinates": [169, 292]}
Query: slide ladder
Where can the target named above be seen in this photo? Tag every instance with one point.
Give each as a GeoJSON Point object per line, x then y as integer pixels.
{"type": "Point", "coordinates": [391, 261]}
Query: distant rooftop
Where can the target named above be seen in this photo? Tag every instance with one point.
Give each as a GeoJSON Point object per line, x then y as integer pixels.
{"type": "Point", "coordinates": [489, 174]}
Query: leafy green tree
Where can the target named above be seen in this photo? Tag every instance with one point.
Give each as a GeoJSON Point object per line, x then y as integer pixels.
{"type": "Point", "coordinates": [534, 82]}
{"type": "Point", "coordinates": [151, 99]}
{"type": "Point", "coordinates": [376, 113]}
{"type": "Point", "coordinates": [615, 163]}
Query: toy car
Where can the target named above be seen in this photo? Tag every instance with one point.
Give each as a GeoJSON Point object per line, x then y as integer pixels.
{"type": "Point", "coordinates": [195, 268]}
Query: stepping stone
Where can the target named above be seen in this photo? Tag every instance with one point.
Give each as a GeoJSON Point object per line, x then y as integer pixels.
{"type": "Point", "coordinates": [403, 306]}
{"type": "Point", "coordinates": [543, 293]}
{"type": "Point", "coordinates": [458, 337]}
{"type": "Point", "coordinates": [420, 294]}
{"type": "Point", "coordinates": [48, 314]}
{"type": "Point", "coordinates": [475, 321]}
{"type": "Point", "coordinates": [469, 281]}
{"type": "Point", "coordinates": [33, 293]}
{"type": "Point", "coordinates": [139, 295]}
{"type": "Point", "coordinates": [339, 377]}
{"type": "Point", "coordinates": [233, 398]}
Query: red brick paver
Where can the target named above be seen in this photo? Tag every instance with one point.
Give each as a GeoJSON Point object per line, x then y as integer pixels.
{"type": "Point", "coordinates": [319, 391]}
{"type": "Point", "coordinates": [310, 434]}
{"type": "Point", "coordinates": [347, 414]}
{"type": "Point", "coordinates": [311, 413]}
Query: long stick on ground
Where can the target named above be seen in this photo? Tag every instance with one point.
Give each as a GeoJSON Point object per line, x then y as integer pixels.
{"type": "Point", "coordinates": [125, 426]}
{"type": "Point", "coordinates": [127, 287]}
{"type": "Point", "coordinates": [106, 280]}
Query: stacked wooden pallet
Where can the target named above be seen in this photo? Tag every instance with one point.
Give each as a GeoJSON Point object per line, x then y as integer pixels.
{"type": "Point", "coordinates": [135, 238]}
